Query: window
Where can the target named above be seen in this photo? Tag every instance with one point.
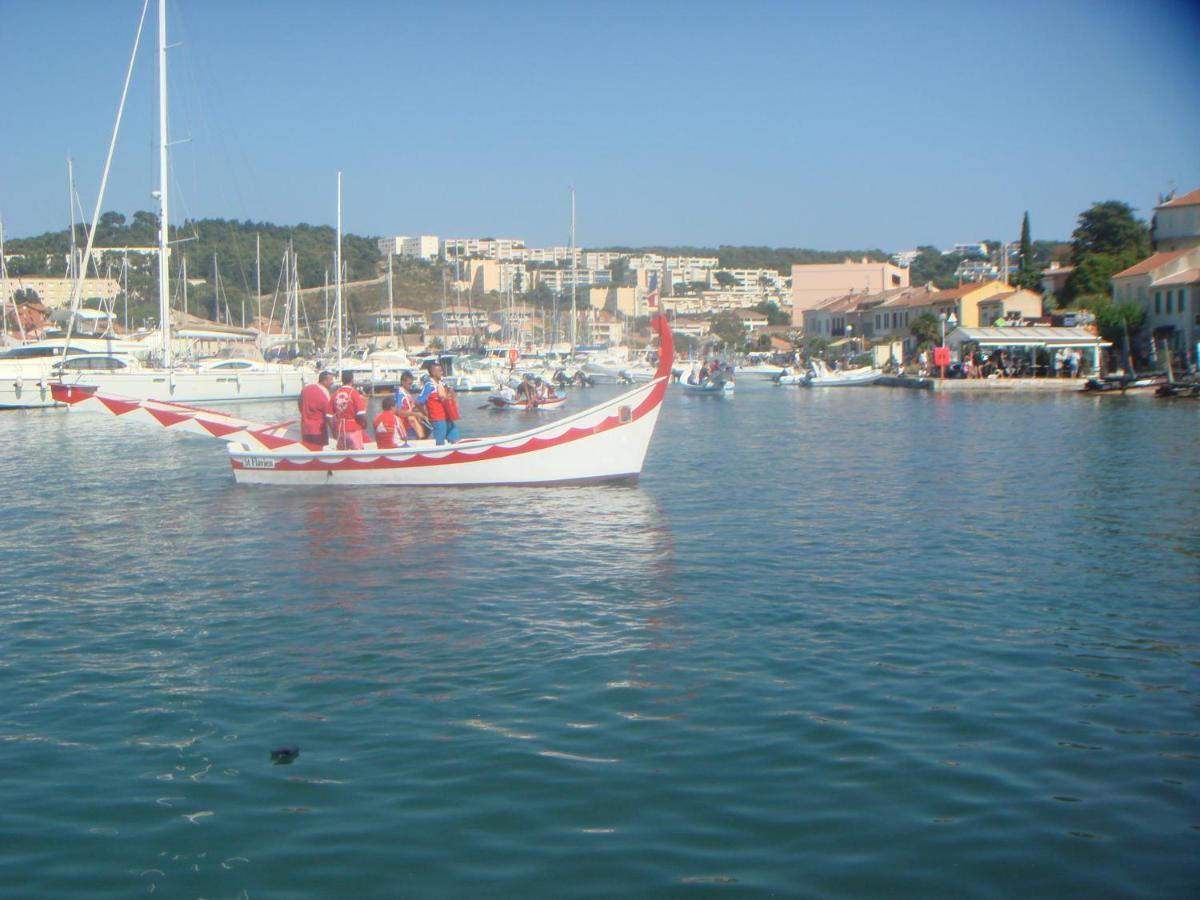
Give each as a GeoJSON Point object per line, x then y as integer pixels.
{"type": "Point", "coordinates": [1183, 300]}
{"type": "Point", "coordinates": [1158, 301]}
{"type": "Point", "coordinates": [1169, 297]}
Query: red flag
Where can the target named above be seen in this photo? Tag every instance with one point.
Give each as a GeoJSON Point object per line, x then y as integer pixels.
{"type": "Point", "coordinates": [652, 299]}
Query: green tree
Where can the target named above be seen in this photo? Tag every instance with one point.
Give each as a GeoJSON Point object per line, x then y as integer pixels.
{"type": "Point", "coordinates": [927, 329]}
{"type": "Point", "coordinates": [1029, 272]}
{"type": "Point", "coordinates": [725, 279]}
{"type": "Point", "coordinates": [622, 276]}
{"type": "Point", "coordinates": [932, 265]}
{"type": "Point", "coordinates": [1109, 228]}
{"type": "Point", "coordinates": [727, 327]}
{"type": "Point", "coordinates": [775, 315]}
{"type": "Point", "coordinates": [1107, 239]}
{"type": "Point", "coordinates": [1113, 319]}
{"type": "Point", "coordinates": [1093, 274]}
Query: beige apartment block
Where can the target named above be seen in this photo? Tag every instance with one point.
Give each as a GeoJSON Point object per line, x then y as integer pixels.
{"type": "Point", "coordinates": [56, 292]}
{"type": "Point", "coordinates": [814, 283]}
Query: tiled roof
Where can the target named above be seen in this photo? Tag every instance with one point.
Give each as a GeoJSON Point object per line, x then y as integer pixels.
{"type": "Point", "coordinates": [1153, 262]}
{"type": "Point", "coordinates": [1192, 199]}
{"type": "Point", "coordinates": [1187, 276]}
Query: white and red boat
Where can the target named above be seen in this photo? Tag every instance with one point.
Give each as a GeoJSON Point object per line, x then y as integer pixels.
{"type": "Point", "coordinates": [606, 442]}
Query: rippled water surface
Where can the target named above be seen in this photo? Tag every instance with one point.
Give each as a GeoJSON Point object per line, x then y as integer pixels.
{"type": "Point", "coordinates": [859, 643]}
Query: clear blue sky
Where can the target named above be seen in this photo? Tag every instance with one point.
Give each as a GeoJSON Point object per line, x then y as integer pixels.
{"type": "Point", "coordinates": [828, 125]}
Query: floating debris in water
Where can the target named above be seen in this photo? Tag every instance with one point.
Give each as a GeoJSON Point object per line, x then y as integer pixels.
{"type": "Point", "coordinates": [284, 756]}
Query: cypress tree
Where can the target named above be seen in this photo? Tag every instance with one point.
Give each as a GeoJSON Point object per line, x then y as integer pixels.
{"type": "Point", "coordinates": [1028, 273]}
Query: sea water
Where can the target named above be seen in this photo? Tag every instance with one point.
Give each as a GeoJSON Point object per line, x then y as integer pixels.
{"type": "Point", "coordinates": [854, 643]}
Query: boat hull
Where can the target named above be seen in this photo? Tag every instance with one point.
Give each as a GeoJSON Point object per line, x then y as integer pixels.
{"type": "Point", "coordinates": [605, 443]}
{"type": "Point", "coordinates": [196, 387]}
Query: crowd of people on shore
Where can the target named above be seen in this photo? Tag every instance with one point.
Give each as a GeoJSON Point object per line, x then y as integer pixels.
{"type": "Point", "coordinates": [341, 415]}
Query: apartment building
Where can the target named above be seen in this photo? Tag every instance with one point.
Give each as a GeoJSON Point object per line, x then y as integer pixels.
{"type": "Point", "coordinates": [458, 317]}
{"type": "Point", "coordinates": [814, 283]}
{"type": "Point", "coordinates": [424, 246]}
{"type": "Point", "coordinates": [485, 275]}
{"type": "Point", "coordinates": [487, 248]}
{"type": "Point", "coordinates": [403, 319]}
{"type": "Point", "coordinates": [55, 292]}
{"type": "Point", "coordinates": [560, 280]}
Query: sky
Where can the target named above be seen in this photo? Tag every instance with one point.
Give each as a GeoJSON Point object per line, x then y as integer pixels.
{"type": "Point", "coordinates": [830, 125]}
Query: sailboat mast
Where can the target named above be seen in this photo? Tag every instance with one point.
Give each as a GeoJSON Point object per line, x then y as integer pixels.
{"type": "Point", "coordinates": [337, 290]}
{"type": "Point", "coordinates": [72, 272]}
{"type": "Point", "coordinates": [257, 278]}
{"type": "Point", "coordinates": [573, 315]}
{"type": "Point", "coordinates": [391, 304]}
{"type": "Point", "coordinates": [164, 310]}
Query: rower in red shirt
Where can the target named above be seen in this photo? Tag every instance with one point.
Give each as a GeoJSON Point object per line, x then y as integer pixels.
{"type": "Point", "coordinates": [316, 412]}
{"type": "Point", "coordinates": [349, 414]}
{"type": "Point", "coordinates": [388, 426]}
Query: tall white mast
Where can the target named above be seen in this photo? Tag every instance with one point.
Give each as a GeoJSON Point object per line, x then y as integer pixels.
{"type": "Point", "coordinates": [72, 266]}
{"type": "Point", "coordinates": [164, 308]}
{"type": "Point", "coordinates": [257, 277]}
{"type": "Point", "coordinates": [572, 269]}
{"type": "Point", "coordinates": [337, 290]}
{"type": "Point", "coordinates": [391, 304]}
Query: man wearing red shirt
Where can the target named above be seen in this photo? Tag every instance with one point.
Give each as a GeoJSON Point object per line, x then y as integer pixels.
{"type": "Point", "coordinates": [316, 412]}
{"type": "Point", "coordinates": [349, 414]}
{"type": "Point", "coordinates": [441, 406]}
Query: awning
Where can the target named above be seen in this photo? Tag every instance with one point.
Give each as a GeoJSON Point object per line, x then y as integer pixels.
{"type": "Point", "coordinates": [1026, 336]}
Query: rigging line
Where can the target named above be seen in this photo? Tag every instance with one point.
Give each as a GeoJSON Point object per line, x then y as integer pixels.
{"type": "Point", "coordinates": [112, 145]}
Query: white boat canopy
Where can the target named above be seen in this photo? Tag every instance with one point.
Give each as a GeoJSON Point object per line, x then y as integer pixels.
{"type": "Point", "coordinates": [1027, 336]}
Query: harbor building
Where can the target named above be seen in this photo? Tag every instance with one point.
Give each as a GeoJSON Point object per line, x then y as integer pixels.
{"type": "Point", "coordinates": [814, 283]}
{"type": "Point", "coordinates": [1167, 288]}
{"type": "Point", "coordinates": [890, 315]}
{"type": "Point", "coordinates": [1177, 223]}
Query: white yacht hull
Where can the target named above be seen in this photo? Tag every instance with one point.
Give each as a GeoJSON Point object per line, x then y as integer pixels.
{"type": "Point", "coordinates": [191, 386]}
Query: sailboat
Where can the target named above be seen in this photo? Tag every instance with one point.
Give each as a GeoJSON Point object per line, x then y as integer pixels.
{"type": "Point", "coordinates": [212, 381]}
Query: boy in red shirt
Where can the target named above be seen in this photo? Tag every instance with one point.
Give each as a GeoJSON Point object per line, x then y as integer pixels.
{"type": "Point", "coordinates": [349, 414]}
{"type": "Point", "coordinates": [388, 426]}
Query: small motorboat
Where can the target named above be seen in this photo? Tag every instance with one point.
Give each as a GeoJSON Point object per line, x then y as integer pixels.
{"type": "Point", "coordinates": [1119, 385]}
{"type": "Point", "coordinates": [713, 387]}
{"type": "Point", "coordinates": [819, 375]}
{"type": "Point", "coordinates": [507, 398]}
